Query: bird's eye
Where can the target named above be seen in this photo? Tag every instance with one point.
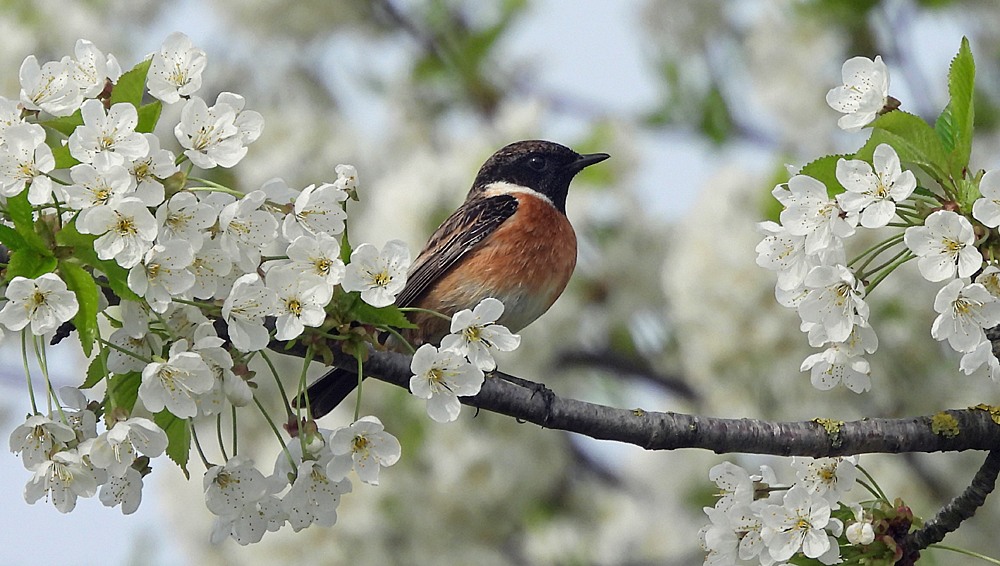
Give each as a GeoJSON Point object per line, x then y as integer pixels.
{"type": "Point", "coordinates": [538, 163]}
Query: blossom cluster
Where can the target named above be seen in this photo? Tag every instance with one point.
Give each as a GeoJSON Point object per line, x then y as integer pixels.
{"type": "Point", "coordinates": [943, 228]}
{"type": "Point", "coordinates": [70, 460]}
{"type": "Point", "coordinates": [305, 487]}
{"type": "Point", "coordinates": [756, 520]}
{"type": "Point", "coordinates": [105, 219]}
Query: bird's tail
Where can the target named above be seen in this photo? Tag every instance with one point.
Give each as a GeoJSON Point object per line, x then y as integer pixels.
{"type": "Point", "coordinates": [328, 391]}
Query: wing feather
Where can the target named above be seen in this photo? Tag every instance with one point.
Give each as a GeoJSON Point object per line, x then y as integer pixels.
{"type": "Point", "coordinates": [459, 233]}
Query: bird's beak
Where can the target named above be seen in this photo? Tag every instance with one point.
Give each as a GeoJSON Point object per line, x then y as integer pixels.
{"type": "Point", "coordinates": [587, 160]}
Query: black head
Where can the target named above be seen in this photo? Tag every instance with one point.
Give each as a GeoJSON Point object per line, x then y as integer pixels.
{"type": "Point", "coordinates": [542, 166]}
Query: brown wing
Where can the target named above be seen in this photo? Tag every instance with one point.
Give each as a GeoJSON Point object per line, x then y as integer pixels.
{"type": "Point", "coordinates": [466, 227]}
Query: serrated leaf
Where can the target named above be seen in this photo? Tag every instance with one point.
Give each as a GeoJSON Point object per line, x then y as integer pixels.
{"type": "Point", "coordinates": [11, 239]}
{"type": "Point", "coordinates": [82, 285]}
{"type": "Point", "coordinates": [27, 262]}
{"type": "Point", "coordinates": [913, 139]}
{"type": "Point", "coordinates": [945, 129]}
{"type": "Point", "coordinates": [66, 124]}
{"type": "Point", "coordinates": [123, 390]}
{"type": "Point", "coordinates": [63, 158]}
{"type": "Point", "coordinates": [83, 249]}
{"type": "Point", "coordinates": [149, 115]}
{"type": "Point", "coordinates": [385, 316]}
{"type": "Point", "coordinates": [130, 85]}
{"type": "Point", "coordinates": [20, 213]}
{"type": "Point", "coordinates": [178, 438]}
{"type": "Point", "coordinates": [824, 170]}
{"type": "Point", "coordinates": [97, 370]}
{"type": "Point", "coordinates": [961, 83]}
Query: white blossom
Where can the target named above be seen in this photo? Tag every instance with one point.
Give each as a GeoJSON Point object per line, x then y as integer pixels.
{"type": "Point", "coordinates": [943, 244]}
{"type": "Point", "coordinates": [246, 230]}
{"type": "Point", "coordinates": [227, 385]}
{"type": "Point", "coordinates": [379, 275]}
{"type": "Point", "coordinates": [48, 87]}
{"type": "Point", "coordinates": [142, 347]}
{"type": "Point", "coordinates": [210, 135]}
{"type": "Point", "coordinates": [127, 231]}
{"type": "Point", "coordinates": [10, 115]}
{"type": "Point", "coordinates": [249, 123]}
{"type": "Point", "coordinates": [244, 311]}
{"type": "Point", "coordinates": [116, 449]}
{"type": "Point", "coordinates": [810, 212]}
{"type": "Point", "coordinates": [965, 311]}
{"type": "Point", "coordinates": [983, 354]}
{"type": "Point", "coordinates": [62, 478]}
{"type": "Point", "coordinates": [91, 70]}
{"type": "Point", "coordinates": [315, 255]}
{"type": "Point", "coordinates": [24, 158]}
{"type": "Point", "coordinates": [301, 299]}
{"type": "Point", "coordinates": [735, 485]}
{"type": "Point", "coordinates": [175, 383]}
{"type": "Point", "coordinates": [163, 274]}
{"type": "Point", "coordinates": [797, 524]}
{"type": "Point", "coordinates": [316, 210]}
{"type": "Point", "coordinates": [829, 477]}
{"type": "Point", "coordinates": [37, 437]}
{"type": "Point", "coordinates": [863, 95]}
{"type": "Point", "coordinates": [149, 169]}
{"type": "Point", "coordinates": [124, 490]}
{"type": "Point", "coordinates": [364, 446]}
{"type": "Point", "coordinates": [442, 377]}
{"type": "Point", "coordinates": [176, 69]}
{"type": "Point", "coordinates": [987, 208]}
{"type": "Point", "coordinates": [314, 497]}
{"type": "Point", "coordinates": [228, 488]}
{"type": "Point", "coordinates": [102, 183]}
{"type": "Point", "coordinates": [785, 254]}
{"type": "Point", "coordinates": [841, 362]}
{"type": "Point", "coordinates": [184, 218]}
{"type": "Point", "coordinates": [44, 302]}
{"type": "Point", "coordinates": [81, 419]}
{"type": "Point", "coordinates": [210, 265]}
{"type": "Point", "coordinates": [475, 334]}
{"type": "Point", "coordinates": [113, 133]}
{"type": "Point", "coordinates": [835, 301]}
{"type": "Point", "coordinates": [874, 192]}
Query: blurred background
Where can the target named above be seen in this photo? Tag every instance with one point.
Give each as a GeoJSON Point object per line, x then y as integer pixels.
{"type": "Point", "coordinates": [702, 105]}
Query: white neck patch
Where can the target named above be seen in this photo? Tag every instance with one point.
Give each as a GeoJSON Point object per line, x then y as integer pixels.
{"type": "Point", "coordinates": [505, 188]}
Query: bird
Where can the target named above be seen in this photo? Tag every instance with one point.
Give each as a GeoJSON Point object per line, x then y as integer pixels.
{"type": "Point", "coordinates": [510, 240]}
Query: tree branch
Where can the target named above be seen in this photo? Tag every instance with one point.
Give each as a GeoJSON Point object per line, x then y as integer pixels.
{"type": "Point", "coordinates": [964, 506]}
{"type": "Point", "coordinates": [972, 429]}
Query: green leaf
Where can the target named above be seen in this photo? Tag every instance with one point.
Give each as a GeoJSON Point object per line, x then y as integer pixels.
{"type": "Point", "coordinates": [97, 370]}
{"type": "Point", "coordinates": [66, 124]}
{"type": "Point", "coordinates": [913, 139]}
{"type": "Point", "coordinates": [130, 85]}
{"type": "Point", "coordinates": [83, 249]}
{"type": "Point", "coordinates": [149, 115]}
{"type": "Point", "coordinates": [178, 438]}
{"type": "Point", "coordinates": [123, 390]}
{"type": "Point", "coordinates": [960, 113]}
{"type": "Point", "coordinates": [21, 214]}
{"type": "Point", "coordinates": [27, 262]}
{"type": "Point", "coordinates": [11, 239]}
{"type": "Point", "coordinates": [63, 159]}
{"type": "Point", "coordinates": [385, 316]}
{"type": "Point", "coordinates": [85, 288]}
{"type": "Point", "coordinates": [824, 169]}
{"type": "Point", "coordinates": [944, 127]}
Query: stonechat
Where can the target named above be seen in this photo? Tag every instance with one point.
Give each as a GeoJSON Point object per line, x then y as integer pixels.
{"type": "Point", "coordinates": [510, 240]}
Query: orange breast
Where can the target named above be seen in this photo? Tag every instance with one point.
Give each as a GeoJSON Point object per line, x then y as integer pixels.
{"type": "Point", "coordinates": [526, 263]}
